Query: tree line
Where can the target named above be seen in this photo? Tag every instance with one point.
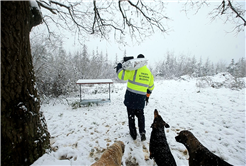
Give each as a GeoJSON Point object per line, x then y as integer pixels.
{"type": "Point", "coordinates": [175, 66]}
{"type": "Point", "coordinates": [57, 71]}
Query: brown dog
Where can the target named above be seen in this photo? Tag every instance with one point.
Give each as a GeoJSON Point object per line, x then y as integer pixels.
{"type": "Point", "coordinates": [199, 154]}
{"type": "Point", "coordinates": [112, 156]}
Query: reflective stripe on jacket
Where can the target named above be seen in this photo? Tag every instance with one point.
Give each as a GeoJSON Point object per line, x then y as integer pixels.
{"type": "Point", "coordinates": [138, 80]}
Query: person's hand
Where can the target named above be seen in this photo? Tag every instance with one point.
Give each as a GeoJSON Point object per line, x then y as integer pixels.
{"type": "Point", "coordinates": [119, 66]}
{"type": "Point", "coordinates": [147, 100]}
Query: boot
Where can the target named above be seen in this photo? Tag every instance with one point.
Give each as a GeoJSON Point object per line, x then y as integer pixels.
{"type": "Point", "coordinates": [143, 138]}
{"type": "Point", "coordinates": [133, 135]}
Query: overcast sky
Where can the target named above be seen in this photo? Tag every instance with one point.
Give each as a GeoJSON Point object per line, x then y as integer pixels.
{"type": "Point", "coordinates": [189, 34]}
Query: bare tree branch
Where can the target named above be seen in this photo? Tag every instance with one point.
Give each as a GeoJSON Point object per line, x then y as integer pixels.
{"type": "Point", "coordinates": [137, 18]}
{"type": "Point", "coordinates": [226, 8]}
{"type": "Point", "coordinates": [101, 17]}
{"type": "Point", "coordinates": [236, 12]}
{"type": "Point", "coordinates": [45, 5]}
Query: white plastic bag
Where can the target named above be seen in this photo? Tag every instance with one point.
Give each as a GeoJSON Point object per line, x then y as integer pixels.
{"type": "Point", "coordinates": [134, 64]}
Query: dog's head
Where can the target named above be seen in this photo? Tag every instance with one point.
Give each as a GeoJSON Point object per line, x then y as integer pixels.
{"type": "Point", "coordinates": [122, 145]}
{"type": "Point", "coordinates": [158, 121]}
{"type": "Point", "coordinates": [184, 137]}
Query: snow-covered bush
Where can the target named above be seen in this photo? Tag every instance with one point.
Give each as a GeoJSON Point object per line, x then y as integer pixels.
{"type": "Point", "coordinates": [186, 77]}
{"type": "Point", "coordinates": [224, 79]}
{"type": "Point", "coordinates": [237, 84]}
{"type": "Point", "coordinates": [203, 82]}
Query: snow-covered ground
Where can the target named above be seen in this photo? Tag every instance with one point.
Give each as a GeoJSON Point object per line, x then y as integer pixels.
{"type": "Point", "coordinates": [215, 116]}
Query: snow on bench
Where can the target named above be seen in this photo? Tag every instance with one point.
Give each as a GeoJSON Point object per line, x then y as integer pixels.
{"type": "Point", "coordinates": [94, 81]}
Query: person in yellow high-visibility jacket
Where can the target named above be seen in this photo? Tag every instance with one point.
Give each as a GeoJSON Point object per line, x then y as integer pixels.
{"type": "Point", "coordinates": [139, 87]}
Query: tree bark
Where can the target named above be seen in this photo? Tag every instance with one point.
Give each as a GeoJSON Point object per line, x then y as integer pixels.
{"type": "Point", "coordinates": [24, 134]}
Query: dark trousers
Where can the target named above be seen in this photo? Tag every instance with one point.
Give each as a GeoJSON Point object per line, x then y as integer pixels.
{"type": "Point", "coordinates": [131, 120]}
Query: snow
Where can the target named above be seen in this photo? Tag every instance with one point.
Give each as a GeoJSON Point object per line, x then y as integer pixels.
{"type": "Point", "coordinates": [215, 116]}
{"type": "Point", "coordinates": [34, 4]}
{"type": "Point", "coordinates": [22, 106]}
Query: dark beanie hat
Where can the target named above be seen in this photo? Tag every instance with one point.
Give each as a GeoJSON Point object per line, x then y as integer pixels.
{"type": "Point", "coordinates": [140, 56]}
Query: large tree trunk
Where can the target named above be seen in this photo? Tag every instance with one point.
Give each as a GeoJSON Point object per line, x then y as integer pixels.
{"type": "Point", "coordinates": [24, 135]}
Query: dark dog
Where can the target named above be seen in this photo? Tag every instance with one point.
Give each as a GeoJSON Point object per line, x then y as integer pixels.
{"type": "Point", "coordinates": [158, 147]}
{"type": "Point", "coordinates": [199, 154]}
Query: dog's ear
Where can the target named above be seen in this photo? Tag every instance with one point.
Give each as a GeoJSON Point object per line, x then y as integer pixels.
{"type": "Point", "coordinates": [166, 125]}
{"type": "Point", "coordinates": [123, 147]}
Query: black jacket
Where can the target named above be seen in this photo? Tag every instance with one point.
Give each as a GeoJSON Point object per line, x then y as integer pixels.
{"type": "Point", "coordinates": [134, 101]}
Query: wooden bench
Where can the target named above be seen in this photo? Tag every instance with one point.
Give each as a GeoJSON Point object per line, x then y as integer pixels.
{"type": "Point", "coordinates": [94, 81]}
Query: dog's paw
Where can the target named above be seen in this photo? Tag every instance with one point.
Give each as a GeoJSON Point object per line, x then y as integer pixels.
{"type": "Point", "coordinates": [151, 156]}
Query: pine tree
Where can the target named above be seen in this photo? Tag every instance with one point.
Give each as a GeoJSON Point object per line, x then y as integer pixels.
{"type": "Point", "coordinates": [231, 68]}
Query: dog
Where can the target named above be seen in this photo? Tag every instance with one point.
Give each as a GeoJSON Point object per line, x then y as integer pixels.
{"type": "Point", "coordinates": [158, 147]}
{"type": "Point", "coordinates": [199, 154]}
{"type": "Point", "coordinates": [112, 156]}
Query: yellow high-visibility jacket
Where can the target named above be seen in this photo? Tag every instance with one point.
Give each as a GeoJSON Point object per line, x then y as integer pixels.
{"type": "Point", "coordinates": [138, 80]}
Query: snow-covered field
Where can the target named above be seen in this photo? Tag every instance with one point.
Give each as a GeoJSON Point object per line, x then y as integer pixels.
{"type": "Point", "coordinates": [215, 116]}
